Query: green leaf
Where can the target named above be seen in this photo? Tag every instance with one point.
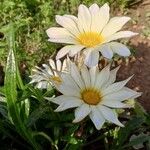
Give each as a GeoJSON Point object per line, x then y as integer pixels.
{"type": "Point", "coordinates": [140, 111]}
{"type": "Point", "coordinates": [138, 140]}
{"type": "Point", "coordinates": [70, 132]}
{"type": "Point", "coordinates": [46, 137]}
{"type": "Point", "coordinates": [10, 81]}
{"type": "Point", "coordinates": [147, 119]}
{"type": "Point", "coordinates": [5, 128]}
{"type": "Point", "coordinates": [148, 145]}
{"type": "Point", "coordinates": [24, 111]}
{"type": "Point", "coordinates": [37, 93]}
{"type": "Point", "coordinates": [11, 91]}
{"type": "Point", "coordinates": [35, 115]}
{"type": "Point", "coordinates": [3, 110]}
{"type": "Point", "coordinates": [74, 147]}
{"type": "Point", "coordinates": [130, 126]}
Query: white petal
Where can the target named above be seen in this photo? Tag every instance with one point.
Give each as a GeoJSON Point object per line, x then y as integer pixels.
{"type": "Point", "coordinates": [114, 25]}
{"type": "Point", "coordinates": [59, 65]}
{"type": "Point", "coordinates": [67, 104]}
{"type": "Point", "coordinates": [75, 49]}
{"type": "Point", "coordinates": [92, 58]}
{"type": "Point", "coordinates": [115, 86]}
{"type": "Point", "coordinates": [65, 66]}
{"type": "Point", "coordinates": [97, 118]}
{"type": "Point", "coordinates": [121, 95]}
{"type": "Point", "coordinates": [42, 85]}
{"type": "Point", "coordinates": [102, 77]}
{"type": "Point", "coordinates": [52, 63]}
{"type": "Point", "coordinates": [121, 34]}
{"type": "Point", "coordinates": [100, 17]}
{"type": "Point", "coordinates": [57, 33]}
{"type": "Point", "coordinates": [81, 112]}
{"type": "Point", "coordinates": [76, 75]}
{"type": "Point", "coordinates": [62, 98]}
{"type": "Point", "coordinates": [112, 77]}
{"type": "Point", "coordinates": [120, 49]}
{"type": "Point", "coordinates": [68, 86]}
{"type": "Point", "coordinates": [68, 23]}
{"type": "Point", "coordinates": [62, 52]}
{"type": "Point", "coordinates": [84, 18]}
{"type": "Point", "coordinates": [85, 76]}
{"type": "Point", "coordinates": [114, 103]}
{"type": "Point", "coordinates": [130, 91]}
{"type": "Point", "coordinates": [94, 10]}
{"type": "Point", "coordinates": [93, 74]}
{"type": "Point", "coordinates": [47, 71]}
{"type": "Point", "coordinates": [106, 51]}
{"type": "Point", "coordinates": [110, 115]}
{"type": "Point", "coordinates": [103, 17]}
{"type": "Point", "coordinates": [68, 40]}
{"type": "Point", "coordinates": [74, 18]}
{"type": "Point", "coordinates": [36, 78]}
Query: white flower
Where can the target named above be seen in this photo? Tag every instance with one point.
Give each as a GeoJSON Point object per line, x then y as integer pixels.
{"type": "Point", "coordinates": [43, 77]}
{"type": "Point", "coordinates": [92, 31]}
{"type": "Point", "coordinates": [94, 93]}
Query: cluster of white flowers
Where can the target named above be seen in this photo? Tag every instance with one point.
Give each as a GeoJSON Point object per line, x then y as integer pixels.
{"type": "Point", "coordinates": [87, 88]}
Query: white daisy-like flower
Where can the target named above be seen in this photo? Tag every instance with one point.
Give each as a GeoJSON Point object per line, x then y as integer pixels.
{"type": "Point", "coordinates": [94, 93]}
{"type": "Point", "coordinates": [92, 31]}
{"type": "Point", "coordinates": [43, 77]}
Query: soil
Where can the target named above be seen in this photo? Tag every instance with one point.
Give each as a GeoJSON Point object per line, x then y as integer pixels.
{"type": "Point", "coordinates": [139, 65]}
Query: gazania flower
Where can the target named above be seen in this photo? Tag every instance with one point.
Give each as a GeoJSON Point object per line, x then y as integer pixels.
{"type": "Point", "coordinates": [92, 31]}
{"type": "Point", "coordinates": [94, 94]}
{"type": "Point", "coordinates": [43, 77]}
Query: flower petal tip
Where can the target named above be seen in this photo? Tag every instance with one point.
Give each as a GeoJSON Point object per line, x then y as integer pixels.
{"type": "Point", "coordinates": [57, 110]}
{"type": "Point", "coordinates": [138, 95]}
{"type": "Point", "coordinates": [127, 18]}
{"type": "Point", "coordinates": [121, 125]}
{"type": "Point", "coordinates": [135, 33]}
{"type": "Point", "coordinates": [106, 5]}
{"type": "Point", "coordinates": [57, 16]}
{"type": "Point", "coordinates": [98, 128]}
{"type": "Point", "coordinates": [81, 5]}
{"type": "Point", "coordinates": [75, 121]}
{"type": "Point", "coordinates": [57, 58]}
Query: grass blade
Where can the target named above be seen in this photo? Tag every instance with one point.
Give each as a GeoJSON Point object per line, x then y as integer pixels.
{"type": "Point", "coordinates": [11, 75]}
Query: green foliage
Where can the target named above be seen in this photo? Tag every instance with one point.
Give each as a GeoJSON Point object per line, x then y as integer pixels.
{"type": "Point", "coordinates": [15, 110]}
{"type": "Point", "coordinates": [31, 19]}
{"type": "Point", "coordinates": [124, 133]}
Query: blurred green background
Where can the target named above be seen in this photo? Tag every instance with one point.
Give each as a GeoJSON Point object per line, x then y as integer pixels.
{"type": "Point", "coordinates": [32, 18]}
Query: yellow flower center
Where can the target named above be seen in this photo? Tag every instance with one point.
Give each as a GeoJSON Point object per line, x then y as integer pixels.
{"type": "Point", "coordinates": [91, 96]}
{"type": "Point", "coordinates": [90, 39]}
{"type": "Point", "coordinates": [56, 79]}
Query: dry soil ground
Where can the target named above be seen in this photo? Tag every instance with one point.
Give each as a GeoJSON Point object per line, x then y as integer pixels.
{"type": "Point", "coordinates": [140, 64]}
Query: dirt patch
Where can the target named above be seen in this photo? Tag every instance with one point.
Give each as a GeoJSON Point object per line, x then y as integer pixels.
{"type": "Point", "coordinates": [140, 67]}
{"type": "Point", "coordinates": [140, 64]}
